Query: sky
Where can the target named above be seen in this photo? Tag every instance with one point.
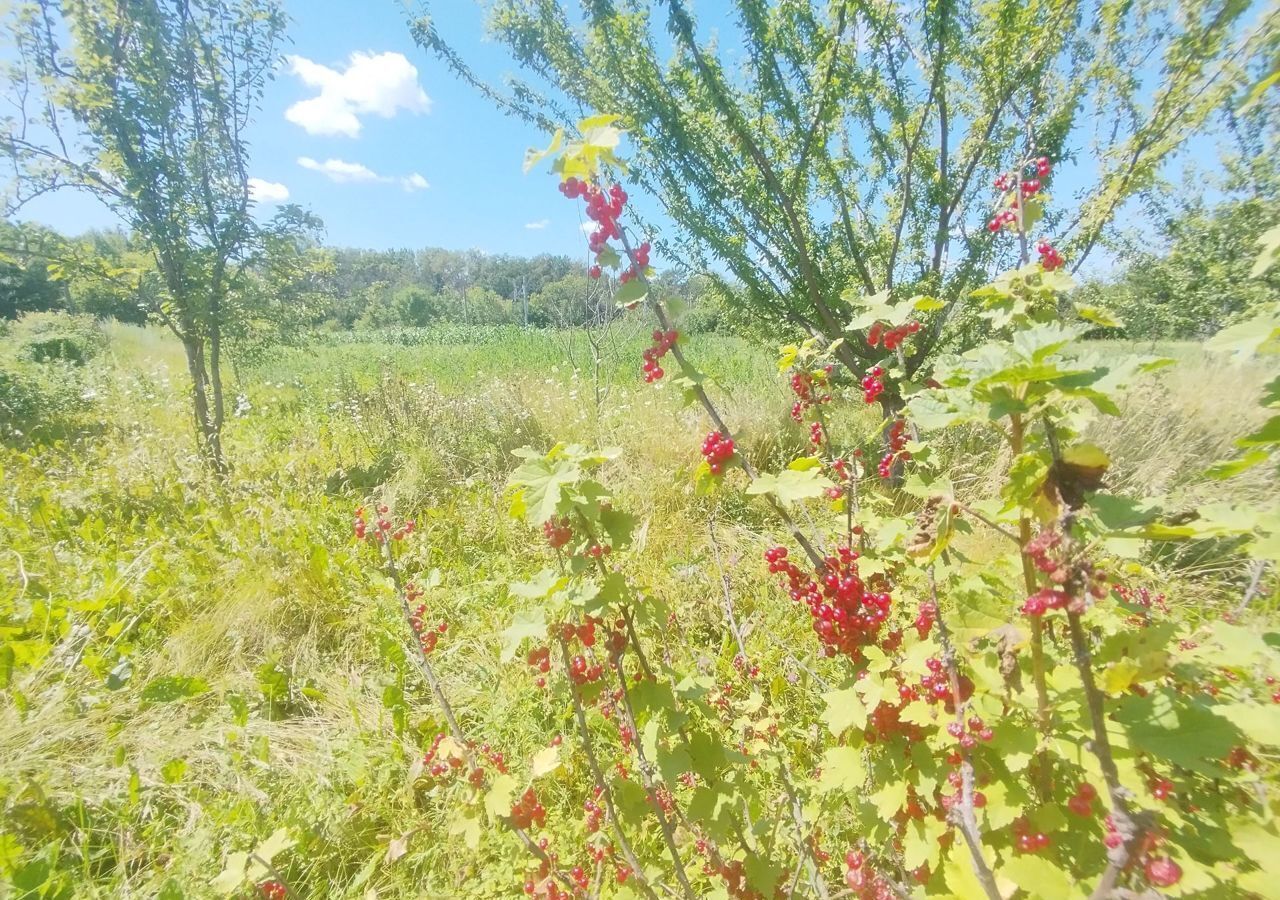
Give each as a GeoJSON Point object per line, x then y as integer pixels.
{"type": "Point", "coordinates": [392, 150]}
{"type": "Point", "coordinates": [389, 148]}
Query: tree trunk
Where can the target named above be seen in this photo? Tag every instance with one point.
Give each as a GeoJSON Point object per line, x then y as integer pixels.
{"type": "Point", "coordinates": [215, 377]}
{"type": "Point", "coordinates": [207, 430]}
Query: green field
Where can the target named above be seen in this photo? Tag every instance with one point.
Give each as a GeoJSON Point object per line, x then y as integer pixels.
{"type": "Point", "coordinates": [125, 568]}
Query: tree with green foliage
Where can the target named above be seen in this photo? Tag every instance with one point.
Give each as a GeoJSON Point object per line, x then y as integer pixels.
{"type": "Point", "coordinates": [145, 106]}
{"type": "Point", "coordinates": [851, 145]}
{"type": "Point", "coordinates": [25, 285]}
{"type": "Point", "coordinates": [1191, 272]}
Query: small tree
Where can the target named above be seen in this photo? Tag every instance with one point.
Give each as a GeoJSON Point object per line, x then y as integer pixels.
{"type": "Point", "coordinates": [850, 146]}
{"type": "Point", "coordinates": [146, 109]}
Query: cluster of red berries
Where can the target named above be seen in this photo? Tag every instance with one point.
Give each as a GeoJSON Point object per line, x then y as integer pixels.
{"type": "Point", "coordinates": [639, 264]}
{"type": "Point", "coordinates": [663, 341]}
{"type": "Point", "coordinates": [1002, 218]}
{"type": "Point", "coordinates": [897, 448]}
{"type": "Point", "coordinates": [978, 731]}
{"type": "Point", "coordinates": [1074, 580]}
{"type": "Point", "coordinates": [1007, 181]}
{"type": "Point", "coordinates": [1028, 186]}
{"type": "Point", "coordinates": [603, 207]}
{"type": "Point", "coordinates": [717, 450]}
{"type": "Point", "coordinates": [593, 812]}
{"type": "Point", "coordinates": [1028, 841]}
{"type": "Point", "coordinates": [436, 767]}
{"type": "Point", "coordinates": [557, 532]}
{"type": "Point", "coordinates": [1081, 802]}
{"type": "Point", "coordinates": [746, 667]}
{"type": "Point", "coordinates": [927, 615]}
{"type": "Point", "coordinates": [865, 882]}
{"type": "Point", "coordinates": [956, 780]}
{"type": "Point", "coordinates": [1141, 597]}
{"type": "Point", "coordinates": [847, 614]}
{"type": "Point", "coordinates": [273, 889]}
{"type": "Point", "coordinates": [892, 337]}
{"type": "Point", "coordinates": [937, 686]}
{"type": "Point", "coordinates": [583, 672]}
{"type": "Point", "coordinates": [817, 434]}
{"type": "Point", "coordinates": [382, 526]}
{"type": "Point", "coordinates": [1161, 788]}
{"type": "Point", "coordinates": [426, 635]}
{"type": "Point", "coordinates": [732, 872]}
{"type": "Point", "coordinates": [1160, 871]}
{"type": "Point", "coordinates": [811, 389]}
{"type": "Point", "coordinates": [527, 811]}
{"type": "Point", "coordinates": [1050, 259]}
{"type": "Point", "coordinates": [884, 721]}
{"type": "Point", "coordinates": [539, 659]}
{"type": "Point", "coordinates": [872, 384]}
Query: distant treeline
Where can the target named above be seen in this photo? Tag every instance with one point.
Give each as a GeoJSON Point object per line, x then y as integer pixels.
{"type": "Point", "coordinates": [1185, 278]}
{"type": "Point", "coordinates": [106, 274]}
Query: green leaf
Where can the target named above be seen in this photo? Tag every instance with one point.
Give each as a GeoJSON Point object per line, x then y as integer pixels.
{"type": "Point", "coordinates": [845, 710]}
{"type": "Point", "coordinates": [169, 688]}
{"type": "Point", "coordinates": [173, 771]}
{"type": "Point", "coordinates": [1267, 434]}
{"type": "Point", "coordinates": [497, 800]}
{"type": "Point", "coordinates": [631, 293]}
{"type": "Point", "coordinates": [232, 877]}
{"type": "Point", "coordinates": [787, 357]}
{"type": "Point", "coordinates": [1026, 477]}
{"type": "Point", "coordinates": [790, 485]}
{"type": "Point", "coordinates": [525, 625]}
{"type": "Point", "coordinates": [1088, 456]}
{"type": "Point", "coordinates": [542, 482]}
{"type": "Point", "coordinates": [544, 583]}
{"type": "Point", "coordinates": [842, 770]}
{"type": "Point", "coordinates": [958, 871]}
{"type": "Point", "coordinates": [889, 799]}
{"type": "Point", "coordinates": [1259, 723]}
{"type": "Point", "coordinates": [533, 156]}
{"type": "Point", "coordinates": [277, 843]}
{"type": "Point", "coordinates": [1247, 338]}
{"type": "Point", "coordinates": [1269, 241]}
{"type": "Point", "coordinates": [1234, 467]}
{"type": "Point", "coordinates": [1098, 316]}
{"type": "Point", "coordinates": [1038, 877]}
{"type": "Point", "coordinates": [1175, 729]}
{"type": "Point", "coordinates": [927, 304]}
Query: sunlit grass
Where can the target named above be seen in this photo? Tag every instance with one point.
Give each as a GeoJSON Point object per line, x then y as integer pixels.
{"type": "Point", "coordinates": [130, 547]}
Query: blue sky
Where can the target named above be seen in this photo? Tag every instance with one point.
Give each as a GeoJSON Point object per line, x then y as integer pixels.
{"type": "Point", "coordinates": [392, 150]}
{"type": "Point", "coordinates": [468, 153]}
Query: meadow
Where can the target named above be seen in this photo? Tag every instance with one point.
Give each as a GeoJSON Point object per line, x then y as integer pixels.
{"type": "Point", "coordinates": [191, 665]}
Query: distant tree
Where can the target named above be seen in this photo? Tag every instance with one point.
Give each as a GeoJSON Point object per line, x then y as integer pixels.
{"type": "Point", "coordinates": [146, 108]}
{"type": "Point", "coordinates": [286, 286]}
{"type": "Point", "coordinates": [852, 145]}
{"type": "Point", "coordinates": [1191, 274]}
{"type": "Point", "coordinates": [25, 285]}
{"type": "Point", "coordinates": [1197, 279]}
{"type": "Point", "coordinates": [564, 303]}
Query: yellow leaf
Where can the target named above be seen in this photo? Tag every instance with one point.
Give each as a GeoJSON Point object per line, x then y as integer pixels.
{"type": "Point", "coordinates": [1120, 676]}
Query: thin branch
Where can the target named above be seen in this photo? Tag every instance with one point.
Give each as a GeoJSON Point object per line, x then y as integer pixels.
{"type": "Point", "coordinates": [962, 814]}
{"type": "Point", "coordinates": [597, 774]}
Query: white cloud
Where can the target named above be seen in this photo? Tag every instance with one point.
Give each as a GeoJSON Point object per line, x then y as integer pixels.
{"type": "Point", "coordinates": [267, 193]}
{"type": "Point", "coordinates": [414, 182]}
{"type": "Point", "coordinates": [340, 170]}
{"type": "Point", "coordinates": [538, 225]}
{"type": "Point", "coordinates": [379, 84]}
{"type": "Point", "coordinates": [587, 227]}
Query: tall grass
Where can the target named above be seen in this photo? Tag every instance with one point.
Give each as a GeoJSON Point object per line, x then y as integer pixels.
{"type": "Point", "coordinates": [123, 563]}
